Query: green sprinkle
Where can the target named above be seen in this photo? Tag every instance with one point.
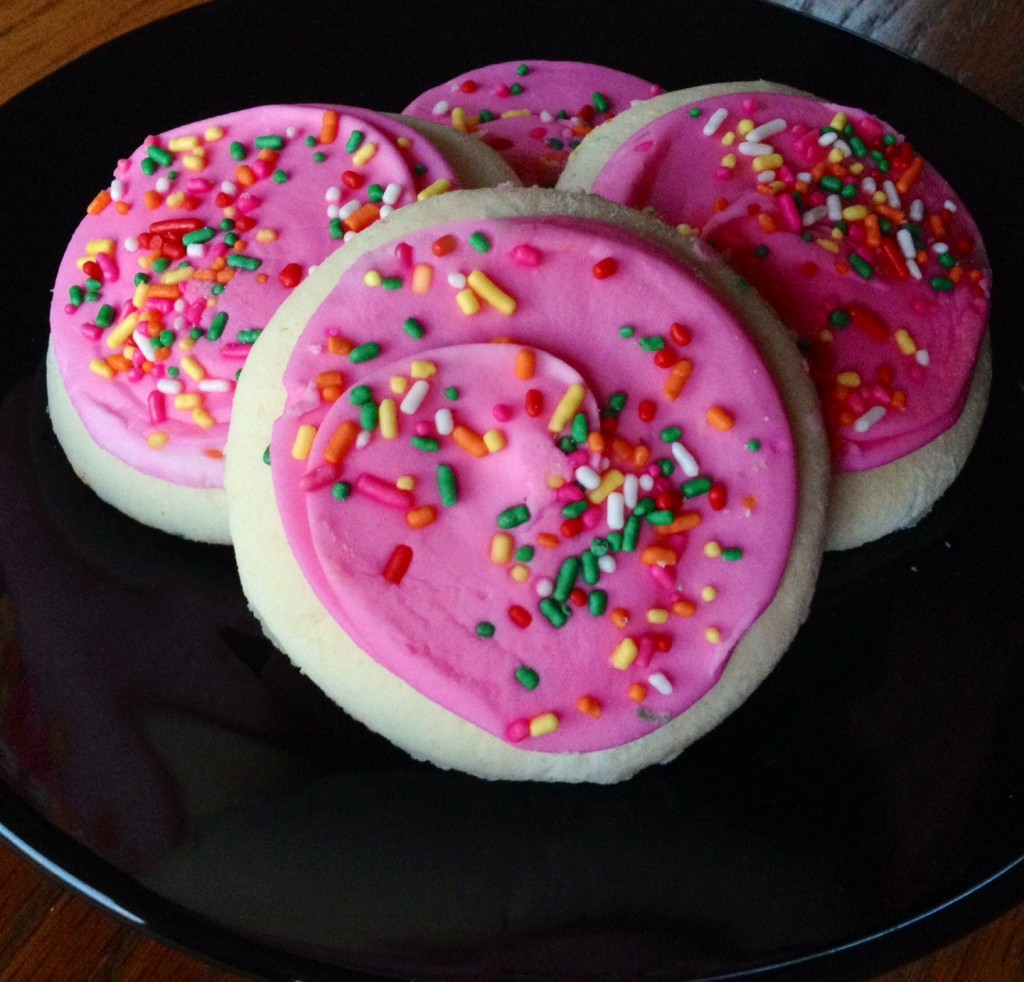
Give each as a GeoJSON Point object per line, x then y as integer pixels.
{"type": "Point", "coordinates": [391, 283]}
{"type": "Point", "coordinates": [226, 224]}
{"type": "Point", "coordinates": [617, 402]}
{"type": "Point", "coordinates": [369, 415]}
{"type": "Point", "coordinates": [839, 318]}
{"type": "Point", "coordinates": [364, 352]}
{"type": "Point", "coordinates": [942, 283]}
{"type": "Point", "coordinates": [105, 316]}
{"type": "Point", "coordinates": [599, 547]}
{"type": "Point", "coordinates": [597, 602]}
{"type": "Point", "coordinates": [554, 612]}
{"type": "Point", "coordinates": [480, 242]}
{"type": "Point", "coordinates": [486, 116]}
{"type": "Point", "coordinates": [580, 428]}
{"type": "Point", "coordinates": [239, 261]}
{"type": "Point", "coordinates": [671, 433]}
{"type": "Point", "coordinates": [319, 157]}
{"type": "Point", "coordinates": [266, 455]}
{"type": "Point", "coordinates": [513, 517]}
{"type": "Point", "coordinates": [761, 252]}
{"type": "Point", "coordinates": [655, 343]}
{"type": "Point", "coordinates": [525, 554]}
{"type": "Point", "coordinates": [250, 336]}
{"type": "Point", "coordinates": [217, 289]}
{"type": "Point", "coordinates": [447, 486]}
{"type": "Point", "coordinates": [696, 112]}
{"type": "Point", "coordinates": [631, 533]}
{"type": "Point", "coordinates": [375, 193]}
{"type": "Point", "coordinates": [695, 487]}
{"type": "Point", "coordinates": [140, 278]}
{"type": "Point", "coordinates": [667, 466]}
{"type": "Point", "coordinates": [555, 144]}
{"type": "Point", "coordinates": [600, 102]}
{"type": "Point", "coordinates": [523, 70]}
{"type": "Point", "coordinates": [857, 146]}
{"type": "Point", "coordinates": [426, 443]}
{"type": "Point", "coordinates": [615, 541]}
{"type": "Point", "coordinates": [311, 142]}
{"type": "Point", "coordinates": [590, 567]}
{"type": "Point", "coordinates": [76, 295]}
{"type": "Point", "coordinates": [663, 516]}
{"type": "Point", "coordinates": [160, 156]}
{"type": "Point", "coordinates": [567, 445]}
{"type": "Point", "coordinates": [451, 393]}
{"type": "Point", "coordinates": [861, 266]}
{"type": "Point", "coordinates": [196, 333]}
{"type": "Point", "coordinates": [148, 167]}
{"type": "Point", "coordinates": [947, 259]}
{"type": "Point", "coordinates": [92, 296]}
{"type": "Point", "coordinates": [336, 229]}
{"type": "Point", "coordinates": [237, 151]}
{"type": "Point", "coordinates": [354, 141]}
{"type": "Point", "coordinates": [733, 555]}
{"type": "Point", "coordinates": [199, 235]}
{"type": "Point", "coordinates": [515, 89]}
{"type": "Point", "coordinates": [173, 372]}
{"type": "Point", "coordinates": [92, 285]}
{"type": "Point", "coordinates": [413, 328]}
{"type": "Point", "coordinates": [527, 678]}
{"type": "Point", "coordinates": [627, 331]}
{"type": "Point", "coordinates": [230, 239]}
{"type": "Point", "coordinates": [280, 177]}
{"type": "Point", "coordinates": [160, 265]}
{"type": "Point", "coordinates": [830, 183]}
{"type": "Point", "coordinates": [565, 580]}
{"type": "Point", "coordinates": [167, 338]}
{"type": "Point", "coordinates": [485, 629]}
{"type": "Point", "coordinates": [360, 394]}
{"type": "Point", "coordinates": [575, 508]}
{"type": "Point", "coordinates": [269, 142]}
{"type": "Point", "coordinates": [754, 445]}
{"type": "Point", "coordinates": [340, 490]}
{"type": "Point", "coordinates": [849, 191]}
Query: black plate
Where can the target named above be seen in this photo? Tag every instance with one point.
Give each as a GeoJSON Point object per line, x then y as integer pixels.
{"type": "Point", "coordinates": [158, 754]}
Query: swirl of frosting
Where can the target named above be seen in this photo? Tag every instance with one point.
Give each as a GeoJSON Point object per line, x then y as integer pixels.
{"type": "Point", "coordinates": [179, 264]}
{"type": "Point", "coordinates": [537, 469]}
{"type": "Point", "coordinates": [855, 239]}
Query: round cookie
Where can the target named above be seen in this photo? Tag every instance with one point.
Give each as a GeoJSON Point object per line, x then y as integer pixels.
{"type": "Point", "coordinates": [178, 265]}
{"type": "Point", "coordinates": [511, 479]}
{"type": "Point", "coordinates": [860, 245]}
{"type": "Point", "coordinates": [533, 113]}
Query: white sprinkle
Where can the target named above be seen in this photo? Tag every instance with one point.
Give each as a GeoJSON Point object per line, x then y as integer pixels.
{"type": "Point", "coordinates": [163, 185]}
{"type": "Point", "coordinates": [347, 237]}
{"type": "Point", "coordinates": [131, 244]}
{"type": "Point", "coordinates": [546, 116]}
{"type": "Point", "coordinates": [588, 477]}
{"type": "Point", "coordinates": [631, 490]}
{"type": "Point", "coordinates": [229, 187]}
{"type": "Point", "coordinates": [145, 345]}
{"type": "Point", "coordinates": [843, 147]}
{"type": "Point", "coordinates": [940, 248]}
{"type": "Point", "coordinates": [392, 193]}
{"type": "Point", "coordinates": [544, 587]}
{"type": "Point", "coordinates": [333, 211]}
{"type": "Point", "coordinates": [914, 269]}
{"type": "Point", "coordinates": [805, 176]}
{"type": "Point", "coordinates": [170, 386]}
{"type": "Point", "coordinates": [716, 119]}
{"type": "Point", "coordinates": [116, 189]}
{"type": "Point", "coordinates": [766, 130]}
{"type": "Point", "coordinates": [891, 194]}
{"type": "Point", "coordinates": [290, 132]}
{"type": "Point", "coordinates": [916, 210]}
{"type": "Point", "coordinates": [415, 396]}
{"type": "Point", "coordinates": [333, 194]}
{"type": "Point", "coordinates": [685, 459]}
{"type": "Point", "coordinates": [386, 210]}
{"type": "Point", "coordinates": [869, 185]}
{"type": "Point", "coordinates": [766, 177]}
{"type": "Point", "coordinates": [195, 250]}
{"type": "Point", "coordinates": [646, 483]}
{"type": "Point", "coordinates": [864, 423]}
{"type": "Point", "coordinates": [949, 205]}
{"type": "Point", "coordinates": [922, 357]}
{"type": "Point", "coordinates": [835, 207]}
{"type": "Point", "coordinates": [814, 215]}
{"type": "Point", "coordinates": [606, 563]}
{"type": "Point", "coordinates": [750, 149]}
{"type": "Point", "coordinates": [363, 439]}
{"type": "Point", "coordinates": [616, 511]}
{"type": "Point", "coordinates": [906, 243]}
{"type": "Point", "coordinates": [216, 385]}
{"type": "Point", "coordinates": [661, 683]}
{"type": "Point", "coordinates": [457, 280]}
{"type": "Point", "coordinates": [827, 139]}
{"type": "Point", "coordinates": [349, 208]}
{"type": "Point", "coordinates": [441, 108]}
{"type": "Point", "coordinates": [444, 423]}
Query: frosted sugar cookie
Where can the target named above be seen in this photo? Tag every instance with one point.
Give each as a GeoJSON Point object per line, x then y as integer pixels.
{"type": "Point", "coordinates": [512, 480]}
{"type": "Point", "coordinates": [862, 247]}
{"type": "Point", "coordinates": [533, 113]}
{"type": "Point", "coordinates": [178, 265]}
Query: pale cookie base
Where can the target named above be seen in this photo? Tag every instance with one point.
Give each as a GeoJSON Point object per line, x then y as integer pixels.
{"type": "Point", "coordinates": [864, 505]}
{"type": "Point", "coordinates": [298, 623]}
{"type": "Point", "coordinates": [201, 514]}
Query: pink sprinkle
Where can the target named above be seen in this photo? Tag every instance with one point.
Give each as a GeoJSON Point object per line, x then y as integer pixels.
{"type": "Point", "coordinates": [864, 253]}
{"type": "Point", "coordinates": [869, 129]}
{"type": "Point", "coordinates": [857, 403]}
{"type": "Point", "coordinates": [785, 173]}
{"type": "Point", "coordinates": [157, 407]}
{"type": "Point", "coordinates": [403, 253]}
{"type": "Point", "coordinates": [644, 146]}
{"type": "Point", "coordinates": [424, 428]}
{"type": "Point", "coordinates": [502, 91]}
{"type": "Point", "coordinates": [135, 375]}
{"type": "Point", "coordinates": [384, 492]}
{"type": "Point", "coordinates": [247, 202]}
{"type": "Point", "coordinates": [70, 309]}
{"type": "Point", "coordinates": [723, 174]}
{"type": "Point", "coordinates": [881, 394]}
{"type": "Point", "coordinates": [218, 250]}
{"type": "Point", "coordinates": [592, 517]}
{"type": "Point", "coordinates": [198, 185]}
{"type": "Point", "coordinates": [108, 266]}
{"type": "Point", "coordinates": [568, 493]}
{"type": "Point", "coordinates": [194, 311]}
{"type": "Point", "coordinates": [749, 105]}
{"type": "Point", "coordinates": [798, 129]}
{"type": "Point", "coordinates": [91, 331]}
{"type": "Point", "coordinates": [164, 304]}
{"type": "Point", "coordinates": [517, 731]}
{"type": "Point", "coordinates": [526, 255]}
{"type": "Point", "coordinates": [645, 651]}
{"type": "Point", "coordinates": [790, 212]}
{"type": "Point", "coordinates": [662, 576]}
{"type": "Point", "coordinates": [318, 477]}
{"type": "Point", "coordinates": [578, 458]}
{"type": "Point", "coordinates": [126, 308]}
{"type": "Point", "coordinates": [538, 132]}
{"type": "Point", "coordinates": [235, 350]}
{"type": "Point", "coordinates": [656, 90]}
{"type": "Point", "coordinates": [261, 168]}
{"type": "Point", "coordinates": [501, 412]}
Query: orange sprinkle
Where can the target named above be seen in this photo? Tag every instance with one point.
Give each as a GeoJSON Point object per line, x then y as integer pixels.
{"type": "Point", "coordinates": [469, 441]}
{"type": "Point", "coordinates": [678, 377]}
{"type": "Point", "coordinates": [659, 556]}
{"type": "Point", "coordinates": [622, 449]}
{"type": "Point", "coordinates": [893, 214]}
{"type": "Point", "coordinates": [163, 291]}
{"type": "Point", "coordinates": [684, 608]}
{"type": "Point", "coordinates": [720, 419]}
{"type": "Point", "coordinates": [872, 232]}
{"type": "Point", "coordinates": [641, 455]}
{"type": "Point", "coordinates": [767, 222]}
{"type": "Point", "coordinates": [619, 617]}
{"type": "Point", "coordinates": [720, 204]}
{"type": "Point", "coordinates": [911, 174]}
{"type": "Point", "coordinates": [329, 126]}
{"type": "Point", "coordinates": [842, 267]}
{"type": "Point", "coordinates": [152, 200]}
{"type": "Point", "coordinates": [213, 453]}
{"type": "Point", "coordinates": [637, 692]}
{"type": "Point", "coordinates": [526, 363]}
{"type": "Point", "coordinates": [337, 345]}
{"type": "Point", "coordinates": [245, 176]}
{"type": "Point", "coordinates": [589, 706]}
{"type": "Point", "coordinates": [548, 540]}
{"type": "Point", "coordinates": [341, 442]}
{"type": "Point", "coordinates": [899, 400]}
{"type": "Point", "coordinates": [362, 217]}
{"type": "Point", "coordinates": [119, 363]}
{"type": "Point", "coordinates": [956, 274]}
{"type": "Point", "coordinates": [595, 442]}
{"type": "Point", "coordinates": [331, 393]}
{"type": "Point", "coordinates": [938, 226]}
{"type": "Point", "coordinates": [684, 522]}
{"type": "Point", "coordinates": [268, 156]}
{"type": "Point", "coordinates": [99, 202]}
{"type": "Point", "coordinates": [419, 518]}
{"type": "Point", "coordinates": [324, 379]}
{"type": "Point", "coordinates": [750, 502]}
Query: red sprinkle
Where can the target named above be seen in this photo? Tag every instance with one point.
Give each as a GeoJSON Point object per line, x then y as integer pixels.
{"type": "Point", "coordinates": [534, 402]}
{"type": "Point", "coordinates": [398, 564]}
{"type": "Point", "coordinates": [605, 267]}
{"type": "Point", "coordinates": [443, 245]}
{"type": "Point", "coordinates": [352, 180]}
{"type": "Point", "coordinates": [681, 335]}
{"type": "Point", "coordinates": [646, 410]}
{"type": "Point", "coordinates": [520, 616]}
{"type": "Point", "coordinates": [717, 497]}
{"type": "Point", "coordinates": [290, 276]}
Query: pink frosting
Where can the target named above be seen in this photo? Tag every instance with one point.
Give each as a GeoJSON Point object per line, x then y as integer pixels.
{"type": "Point", "coordinates": [533, 113]}
{"type": "Point", "coordinates": [892, 312]}
{"type": "Point", "coordinates": [419, 580]}
{"type": "Point", "coordinates": [262, 188]}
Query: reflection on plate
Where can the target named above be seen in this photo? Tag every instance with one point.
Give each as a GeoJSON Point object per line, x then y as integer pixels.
{"type": "Point", "coordinates": [154, 746]}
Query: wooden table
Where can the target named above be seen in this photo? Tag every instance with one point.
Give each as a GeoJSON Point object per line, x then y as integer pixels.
{"type": "Point", "coordinates": [46, 932]}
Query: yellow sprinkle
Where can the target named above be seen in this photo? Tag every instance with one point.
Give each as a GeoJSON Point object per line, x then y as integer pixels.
{"type": "Point", "coordinates": [712, 549]}
{"type": "Point", "coordinates": [494, 440]}
{"type": "Point", "coordinates": [193, 369]}
{"type": "Point", "coordinates": [567, 406]}
{"type": "Point", "coordinates": [193, 161]}
{"type": "Point", "coordinates": [181, 275]}
{"type": "Point", "coordinates": [687, 230]}
{"type": "Point", "coordinates": [556, 481]}
{"type": "Point", "coordinates": [187, 343]}
{"type": "Point", "coordinates": [713, 635]}
{"type": "Point", "coordinates": [387, 418]}
{"type": "Point", "coordinates": [836, 156]}
{"type": "Point", "coordinates": [838, 121]}
{"type": "Point", "coordinates": [611, 480]}
{"type": "Point", "coordinates": [157, 440]}
{"type": "Point", "coordinates": [423, 369]}
{"type": "Point", "coordinates": [516, 113]}
{"type": "Point", "coordinates": [826, 335]}
{"type": "Point", "coordinates": [519, 573]}
{"type": "Point", "coordinates": [139, 296]}
{"type": "Point", "coordinates": [837, 234]}
{"type": "Point", "coordinates": [459, 119]}
{"type": "Point", "coordinates": [708, 594]}
{"type": "Point", "coordinates": [188, 400]}
{"type": "Point", "coordinates": [467, 301]}
{"type": "Point", "coordinates": [850, 380]}
{"type": "Point", "coordinates": [501, 548]}
{"type": "Point", "coordinates": [266, 235]}
{"type": "Point", "coordinates": [372, 278]}
{"type": "Point", "coordinates": [879, 197]}
{"type": "Point", "coordinates": [303, 441]}
{"type": "Point", "coordinates": [855, 213]}
{"type": "Point", "coordinates": [100, 245]}
{"type": "Point", "coordinates": [828, 245]}
{"type": "Point", "coordinates": [432, 190]}
{"type": "Point", "coordinates": [744, 126]}
{"type": "Point", "coordinates": [770, 161]}
{"type": "Point", "coordinates": [178, 144]}
{"type": "Point", "coordinates": [905, 341]}
{"type": "Point", "coordinates": [399, 384]}
{"type": "Point", "coordinates": [422, 278]}
{"type": "Point", "coordinates": [657, 615]}
{"type": "Point", "coordinates": [202, 419]}
{"type": "Point", "coordinates": [364, 154]}
{"type": "Point", "coordinates": [491, 292]}
{"type": "Point", "coordinates": [122, 332]}
{"type": "Point", "coordinates": [857, 168]}
{"type": "Point", "coordinates": [543, 724]}
{"type": "Point", "coordinates": [101, 368]}
{"type": "Point", "coordinates": [729, 161]}
{"type": "Point", "coordinates": [213, 134]}
{"type": "Point", "coordinates": [406, 483]}
{"type": "Point", "coordinates": [624, 654]}
{"type": "Point", "coordinates": [176, 199]}
{"type": "Point", "coordinates": [729, 139]}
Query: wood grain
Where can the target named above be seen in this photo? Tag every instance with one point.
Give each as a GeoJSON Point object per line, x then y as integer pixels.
{"type": "Point", "coordinates": [47, 932]}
